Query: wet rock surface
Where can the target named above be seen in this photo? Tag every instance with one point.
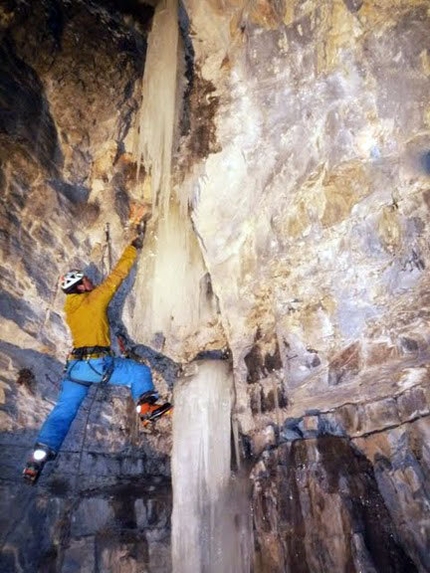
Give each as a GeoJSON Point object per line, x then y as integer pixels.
{"type": "Point", "coordinates": [301, 165]}
{"type": "Point", "coordinates": [64, 527]}
{"type": "Point", "coordinates": [349, 526]}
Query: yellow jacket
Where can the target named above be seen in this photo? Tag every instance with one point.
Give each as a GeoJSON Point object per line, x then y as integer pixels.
{"type": "Point", "coordinates": [86, 313]}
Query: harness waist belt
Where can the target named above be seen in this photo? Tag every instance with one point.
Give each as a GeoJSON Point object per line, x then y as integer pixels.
{"type": "Point", "coordinates": [85, 352]}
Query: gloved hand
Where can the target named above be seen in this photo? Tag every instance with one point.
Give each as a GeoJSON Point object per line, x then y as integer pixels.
{"type": "Point", "coordinates": [137, 242]}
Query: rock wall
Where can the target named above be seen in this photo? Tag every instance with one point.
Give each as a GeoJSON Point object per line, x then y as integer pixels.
{"type": "Point", "coordinates": [301, 164]}
{"type": "Point", "coordinates": [318, 507]}
{"type": "Point", "coordinates": [70, 85]}
{"type": "Point", "coordinates": [323, 501]}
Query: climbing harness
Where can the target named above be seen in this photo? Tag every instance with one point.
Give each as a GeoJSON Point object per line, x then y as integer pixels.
{"type": "Point", "coordinates": [86, 353]}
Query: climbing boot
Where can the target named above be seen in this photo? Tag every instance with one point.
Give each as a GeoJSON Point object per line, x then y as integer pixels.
{"type": "Point", "coordinates": [149, 411]}
{"type": "Point", "coordinates": [41, 454]}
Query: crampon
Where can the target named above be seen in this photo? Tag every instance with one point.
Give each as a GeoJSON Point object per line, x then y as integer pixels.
{"type": "Point", "coordinates": [154, 412]}
{"type": "Point", "coordinates": [32, 471]}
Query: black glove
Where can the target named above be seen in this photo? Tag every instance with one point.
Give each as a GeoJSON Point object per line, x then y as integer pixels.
{"type": "Point", "coordinates": [137, 242]}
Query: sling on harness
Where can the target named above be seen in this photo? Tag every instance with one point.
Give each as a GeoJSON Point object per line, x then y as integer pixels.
{"type": "Point", "coordinates": [86, 353]}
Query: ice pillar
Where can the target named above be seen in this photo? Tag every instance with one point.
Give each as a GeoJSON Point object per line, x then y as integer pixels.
{"type": "Point", "coordinates": [210, 521]}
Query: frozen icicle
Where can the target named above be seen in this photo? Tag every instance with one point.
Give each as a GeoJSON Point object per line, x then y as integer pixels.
{"type": "Point", "coordinates": [168, 285]}
{"type": "Point", "coordinates": [157, 113]}
{"type": "Point", "coordinates": [177, 271]}
{"type": "Point", "coordinates": [170, 300]}
{"type": "Point", "coordinates": [210, 522]}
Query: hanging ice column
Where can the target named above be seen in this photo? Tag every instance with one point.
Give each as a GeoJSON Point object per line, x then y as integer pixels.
{"type": "Point", "coordinates": [211, 531]}
{"type": "Point", "coordinates": [168, 307]}
{"type": "Point", "coordinates": [208, 525]}
{"type": "Point", "coordinates": [158, 110]}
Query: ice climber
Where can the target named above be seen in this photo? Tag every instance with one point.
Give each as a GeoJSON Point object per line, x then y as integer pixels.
{"type": "Point", "coordinates": [91, 361]}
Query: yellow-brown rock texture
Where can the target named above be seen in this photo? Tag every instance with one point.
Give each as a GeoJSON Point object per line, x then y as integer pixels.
{"type": "Point", "coordinates": [291, 229]}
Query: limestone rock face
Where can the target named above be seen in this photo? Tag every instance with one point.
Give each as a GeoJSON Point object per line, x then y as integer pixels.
{"type": "Point", "coordinates": [295, 234]}
{"type": "Point", "coordinates": [360, 522]}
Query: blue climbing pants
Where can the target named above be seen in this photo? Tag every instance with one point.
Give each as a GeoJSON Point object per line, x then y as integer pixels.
{"type": "Point", "coordinates": [123, 372]}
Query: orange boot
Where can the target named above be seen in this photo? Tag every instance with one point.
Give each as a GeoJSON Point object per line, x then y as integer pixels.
{"type": "Point", "coordinates": [149, 411]}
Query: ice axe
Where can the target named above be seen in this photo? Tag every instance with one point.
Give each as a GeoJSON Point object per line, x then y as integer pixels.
{"type": "Point", "coordinates": [140, 213]}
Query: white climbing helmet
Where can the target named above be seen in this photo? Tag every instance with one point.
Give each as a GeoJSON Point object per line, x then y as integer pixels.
{"type": "Point", "coordinates": [71, 278]}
